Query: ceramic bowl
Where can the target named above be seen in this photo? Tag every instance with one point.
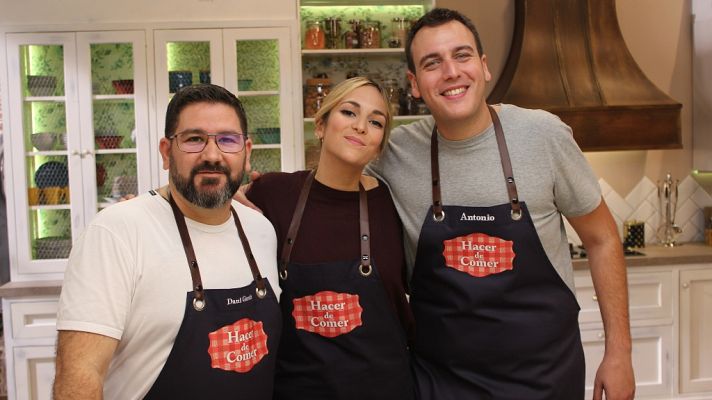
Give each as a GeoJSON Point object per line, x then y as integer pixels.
{"type": "Point", "coordinates": [53, 247]}
{"type": "Point", "coordinates": [244, 84]}
{"type": "Point", "coordinates": [266, 136]}
{"type": "Point", "coordinates": [108, 141]}
{"type": "Point", "coordinates": [41, 85]}
{"type": "Point", "coordinates": [204, 76]}
{"type": "Point", "coordinates": [179, 79]}
{"type": "Point", "coordinates": [123, 86]}
{"type": "Point", "coordinates": [44, 141]}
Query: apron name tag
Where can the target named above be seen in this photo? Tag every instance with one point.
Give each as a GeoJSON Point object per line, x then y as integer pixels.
{"type": "Point", "coordinates": [327, 313]}
{"type": "Point", "coordinates": [478, 254]}
{"type": "Point", "coordinates": [238, 347]}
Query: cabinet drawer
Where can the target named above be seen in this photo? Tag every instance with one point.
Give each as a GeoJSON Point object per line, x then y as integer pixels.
{"type": "Point", "coordinates": [35, 319]}
{"type": "Point", "coordinates": [652, 359]}
{"type": "Point", "coordinates": [649, 296]}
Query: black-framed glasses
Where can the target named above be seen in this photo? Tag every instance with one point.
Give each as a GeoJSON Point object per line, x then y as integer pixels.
{"type": "Point", "coordinates": [195, 142]}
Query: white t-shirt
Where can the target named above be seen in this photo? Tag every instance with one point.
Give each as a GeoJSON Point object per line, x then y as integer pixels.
{"type": "Point", "coordinates": [127, 278]}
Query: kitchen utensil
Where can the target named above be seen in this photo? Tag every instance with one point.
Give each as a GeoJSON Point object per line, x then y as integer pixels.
{"type": "Point", "coordinates": [53, 195]}
{"type": "Point", "coordinates": [123, 86]}
{"type": "Point", "coordinates": [51, 173]}
{"type": "Point", "coordinates": [204, 76]}
{"type": "Point", "coordinates": [244, 84]}
{"type": "Point", "coordinates": [266, 135]}
{"type": "Point", "coordinates": [53, 247]}
{"type": "Point", "coordinates": [634, 234]}
{"type": "Point", "coordinates": [44, 141]}
{"type": "Point", "coordinates": [33, 196]}
{"type": "Point", "coordinates": [667, 196]}
{"type": "Point", "coordinates": [41, 85]}
{"type": "Point", "coordinates": [108, 141]}
{"type": "Point", "coordinates": [179, 79]}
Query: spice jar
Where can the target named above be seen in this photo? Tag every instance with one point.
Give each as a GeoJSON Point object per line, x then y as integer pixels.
{"type": "Point", "coordinates": [399, 32]}
{"type": "Point", "coordinates": [352, 38]}
{"type": "Point", "coordinates": [333, 32]}
{"type": "Point", "coordinates": [314, 36]}
{"type": "Point", "coordinates": [390, 87]}
{"type": "Point", "coordinates": [316, 90]}
{"type": "Point", "coordinates": [371, 35]}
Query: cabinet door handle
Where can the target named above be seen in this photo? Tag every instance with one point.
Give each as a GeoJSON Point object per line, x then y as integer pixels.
{"type": "Point", "coordinates": [88, 153]}
{"type": "Point", "coordinates": [76, 153]}
{"type": "Point", "coordinates": [685, 285]}
{"type": "Point", "coordinates": [594, 298]}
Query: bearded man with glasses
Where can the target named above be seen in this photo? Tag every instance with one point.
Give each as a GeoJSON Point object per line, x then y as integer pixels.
{"type": "Point", "coordinates": [170, 295]}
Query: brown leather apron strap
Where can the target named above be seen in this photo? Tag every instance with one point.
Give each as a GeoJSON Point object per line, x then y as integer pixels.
{"type": "Point", "coordinates": [365, 237]}
{"type": "Point", "coordinates": [256, 275]}
{"type": "Point", "coordinates": [438, 213]}
{"type": "Point", "coordinates": [199, 299]}
{"type": "Point", "coordinates": [294, 225]}
{"type": "Point", "coordinates": [365, 268]}
{"type": "Point", "coordinates": [506, 165]}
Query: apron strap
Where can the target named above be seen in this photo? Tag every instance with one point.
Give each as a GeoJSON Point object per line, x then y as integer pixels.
{"type": "Point", "coordinates": [256, 275]}
{"type": "Point", "coordinates": [365, 268]}
{"type": "Point", "coordinates": [506, 165]}
{"type": "Point", "coordinates": [199, 299]}
{"type": "Point", "coordinates": [438, 212]}
{"type": "Point", "coordinates": [294, 225]}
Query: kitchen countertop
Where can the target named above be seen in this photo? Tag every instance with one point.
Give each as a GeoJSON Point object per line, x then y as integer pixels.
{"type": "Point", "coordinates": [687, 253]}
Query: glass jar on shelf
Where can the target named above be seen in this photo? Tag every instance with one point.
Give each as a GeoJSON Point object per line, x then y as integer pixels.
{"type": "Point", "coordinates": [352, 38]}
{"type": "Point", "coordinates": [371, 35]}
{"type": "Point", "coordinates": [316, 90]}
{"type": "Point", "coordinates": [399, 32]}
{"type": "Point", "coordinates": [390, 87]}
{"type": "Point", "coordinates": [333, 32]}
{"type": "Point", "coordinates": [314, 35]}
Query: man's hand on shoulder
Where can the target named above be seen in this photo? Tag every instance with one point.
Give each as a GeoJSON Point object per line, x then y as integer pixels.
{"type": "Point", "coordinates": [241, 197]}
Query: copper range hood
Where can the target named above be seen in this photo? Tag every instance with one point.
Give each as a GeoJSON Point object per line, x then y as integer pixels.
{"type": "Point", "coordinates": [569, 57]}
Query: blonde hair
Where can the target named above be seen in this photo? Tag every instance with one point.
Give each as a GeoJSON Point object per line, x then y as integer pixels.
{"type": "Point", "coordinates": [340, 91]}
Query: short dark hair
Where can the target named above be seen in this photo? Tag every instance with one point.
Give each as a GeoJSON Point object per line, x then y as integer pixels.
{"type": "Point", "coordinates": [437, 17]}
{"type": "Point", "coordinates": [202, 93]}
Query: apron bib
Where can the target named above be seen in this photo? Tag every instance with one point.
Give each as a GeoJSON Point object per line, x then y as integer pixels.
{"type": "Point", "coordinates": [341, 338]}
{"type": "Point", "coordinates": [226, 345]}
{"type": "Point", "coordinates": [494, 319]}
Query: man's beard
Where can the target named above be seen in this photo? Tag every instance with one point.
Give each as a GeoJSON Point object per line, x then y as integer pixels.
{"type": "Point", "coordinates": [204, 198]}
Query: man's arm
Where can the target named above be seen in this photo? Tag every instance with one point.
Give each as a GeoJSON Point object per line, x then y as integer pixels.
{"type": "Point", "coordinates": [599, 235]}
{"type": "Point", "coordinates": [82, 361]}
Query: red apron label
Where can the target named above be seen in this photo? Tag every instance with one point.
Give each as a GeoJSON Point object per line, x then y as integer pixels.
{"type": "Point", "coordinates": [327, 313]}
{"type": "Point", "coordinates": [238, 347]}
{"type": "Point", "coordinates": [478, 254]}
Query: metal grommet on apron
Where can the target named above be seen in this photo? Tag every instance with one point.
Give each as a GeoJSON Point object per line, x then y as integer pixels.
{"type": "Point", "coordinates": [481, 290]}
{"type": "Point", "coordinates": [209, 357]}
{"type": "Point", "coordinates": [356, 329]}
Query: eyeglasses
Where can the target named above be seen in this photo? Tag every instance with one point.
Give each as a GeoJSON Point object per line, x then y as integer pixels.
{"type": "Point", "coordinates": [195, 142]}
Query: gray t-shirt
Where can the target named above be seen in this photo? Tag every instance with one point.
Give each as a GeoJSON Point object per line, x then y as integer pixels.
{"type": "Point", "coordinates": [551, 174]}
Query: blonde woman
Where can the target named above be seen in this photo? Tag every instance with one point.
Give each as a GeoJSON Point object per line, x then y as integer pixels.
{"type": "Point", "coordinates": [341, 263]}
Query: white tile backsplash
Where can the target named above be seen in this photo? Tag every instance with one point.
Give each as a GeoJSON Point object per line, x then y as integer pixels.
{"type": "Point", "coordinates": [642, 204]}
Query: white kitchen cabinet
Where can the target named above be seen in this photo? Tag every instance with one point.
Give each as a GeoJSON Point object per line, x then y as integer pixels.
{"type": "Point", "coordinates": [671, 329]}
{"type": "Point", "coordinates": [30, 335]}
{"type": "Point", "coordinates": [250, 62]}
{"type": "Point", "coordinates": [76, 142]}
{"type": "Point", "coordinates": [696, 327]}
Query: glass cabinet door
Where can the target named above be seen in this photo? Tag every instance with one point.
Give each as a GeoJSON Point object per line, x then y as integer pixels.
{"type": "Point", "coordinates": [43, 92]}
{"type": "Point", "coordinates": [114, 148]}
{"type": "Point", "coordinates": [256, 70]}
{"type": "Point", "coordinates": [184, 57]}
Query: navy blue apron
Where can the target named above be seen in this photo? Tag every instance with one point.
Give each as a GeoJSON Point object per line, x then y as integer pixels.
{"type": "Point", "coordinates": [341, 338]}
{"type": "Point", "coordinates": [226, 346]}
{"type": "Point", "coordinates": [494, 320]}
